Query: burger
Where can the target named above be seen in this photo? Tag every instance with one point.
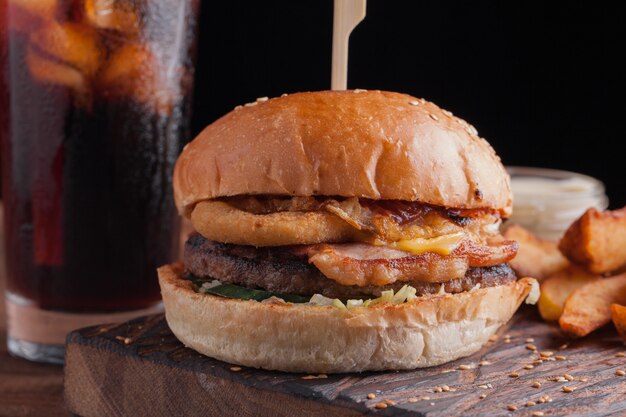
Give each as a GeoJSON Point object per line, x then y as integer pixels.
{"type": "Point", "coordinates": [341, 231]}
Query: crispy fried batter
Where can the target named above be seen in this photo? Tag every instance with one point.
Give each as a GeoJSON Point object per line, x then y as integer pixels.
{"type": "Point", "coordinates": [278, 221]}
{"type": "Point", "coordinates": [220, 221]}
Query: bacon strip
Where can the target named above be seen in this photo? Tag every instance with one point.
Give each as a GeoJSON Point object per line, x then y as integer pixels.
{"type": "Point", "coordinates": [363, 264]}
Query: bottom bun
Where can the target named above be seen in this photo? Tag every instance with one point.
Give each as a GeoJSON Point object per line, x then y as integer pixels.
{"type": "Point", "coordinates": [427, 331]}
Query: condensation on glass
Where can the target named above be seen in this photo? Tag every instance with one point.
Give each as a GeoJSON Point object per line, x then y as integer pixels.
{"type": "Point", "coordinates": [99, 98]}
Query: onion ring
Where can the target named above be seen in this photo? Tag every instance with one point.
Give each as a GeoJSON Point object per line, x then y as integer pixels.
{"type": "Point", "coordinates": [220, 221]}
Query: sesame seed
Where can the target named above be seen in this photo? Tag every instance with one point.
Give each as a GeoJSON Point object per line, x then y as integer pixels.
{"type": "Point", "coordinates": [464, 367]}
{"type": "Point", "coordinates": [359, 90]}
{"type": "Point", "coordinates": [538, 414]}
{"type": "Point", "coordinates": [489, 386]}
{"type": "Point", "coordinates": [530, 403]}
{"type": "Point", "coordinates": [262, 99]}
{"type": "Point", "coordinates": [413, 400]}
{"type": "Point", "coordinates": [513, 374]}
{"type": "Point", "coordinates": [531, 347]}
{"type": "Point", "coordinates": [320, 376]}
{"type": "Point", "coordinates": [433, 116]}
{"type": "Point", "coordinates": [484, 363]}
{"type": "Point", "coordinates": [530, 340]}
{"type": "Point", "coordinates": [537, 362]}
{"type": "Point", "coordinates": [541, 400]}
{"type": "Point", "coordinates": [528, 367]}
{"type": "Point", "coordinates": [560, 358]}
{"type": "Point", "coordinates": [584, 379]}
{"type": "Point", "coordinates": [445, 388]}
{"type": "Point", "coordinates": [619, 372]}
{"type": "Point", "coordinates": [414, 103]}
{"type": "Point", "coordinates": [447, 113]}
{"type": "Point", "coordinates": [235, 368]}
{"type": "Point", "coordinates": [507, 340]}
{"type": "Point", "coordinates": [483, 386]}
{"type": "Point", "coordinates": [511, 407]}
{"type": "Point", "coordinates": [549, 359]}
{"type": "Point", "coordinates": [438, 389]}
{"type": "Point", "coordinates": [238, 107]}
{"type": "Point", "coordinates": [432, 403]}
{"type": "Point", "coordinates": [620, 354]}
{"type": "Point", "coordinates": [380, 405]}
{"type": "Point", "coordinates": [493, 338]}
{"type": "Point", "coordinates": [254, 103]}
{"type": "Point", "coordinates": [482, 396]}
{"type": "Point", "coordinates": [568, 389]}
{"type": "Point", "coordinates": [425, 398]}
{"type": "Point", "coordinates": [390, 402]}
{"type": "Point", "coordinates": [371, 396]}
{"type": "Point", "coordinates": [284, 95]}
{"type": "Point", "coordinates": [546, 354]}
{"type": "Point", "coordinates": [559, 379]}
{"type": "Point", "coordinates": [564, 346]}
{"type": "Point", "coordinates": [471, 130]}
{"type": "Point", "coordinates": [568, 377]}
{"type": "Point", "coordinates": [536, 384]}
{"type": "Point", "coordinates": [127, 340]}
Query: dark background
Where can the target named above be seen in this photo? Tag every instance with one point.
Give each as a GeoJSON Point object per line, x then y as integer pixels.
{"type": "Point", "coordinates": [544, 83]}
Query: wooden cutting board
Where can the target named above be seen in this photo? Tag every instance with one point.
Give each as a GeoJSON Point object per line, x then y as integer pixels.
{"type": "Point", "coordinates": [139, 368]}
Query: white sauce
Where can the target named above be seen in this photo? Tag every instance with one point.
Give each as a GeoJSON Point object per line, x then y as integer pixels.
{"type": "Point", "coordinates": [538, 186]}
{"type": "Point", "coordinates": [547, 201]}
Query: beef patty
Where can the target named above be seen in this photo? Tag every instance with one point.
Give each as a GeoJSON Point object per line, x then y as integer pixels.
{"type": "Point", "coordinates": [280, 269]}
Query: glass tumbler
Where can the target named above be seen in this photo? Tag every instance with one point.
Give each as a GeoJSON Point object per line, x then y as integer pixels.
{"type": "Point", "coordinates": [99, 107]}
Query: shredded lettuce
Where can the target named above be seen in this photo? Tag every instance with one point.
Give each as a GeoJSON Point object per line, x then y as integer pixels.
{"type": "Point", "coordinates": [404, 294]}
{"type": "Point", "coordinates": [215, 287]}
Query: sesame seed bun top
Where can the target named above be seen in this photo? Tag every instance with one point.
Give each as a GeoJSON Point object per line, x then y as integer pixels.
{"type": "Point", "coordinates": [370, 144]}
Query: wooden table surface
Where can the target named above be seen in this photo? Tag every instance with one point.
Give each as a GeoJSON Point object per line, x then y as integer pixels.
{"type": "Point", "coordinates": [26, 389]}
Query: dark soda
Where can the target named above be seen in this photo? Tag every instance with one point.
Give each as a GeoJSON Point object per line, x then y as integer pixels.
{"type": "Point", "coordinates": [99, 109]}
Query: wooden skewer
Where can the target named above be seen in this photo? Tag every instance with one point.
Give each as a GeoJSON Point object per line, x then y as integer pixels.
{"type": "Point", "coordinates": [347, 15]}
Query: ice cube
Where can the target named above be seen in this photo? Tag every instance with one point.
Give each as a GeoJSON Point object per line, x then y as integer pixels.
{"type": "Point", "coordinates": [48, 71]}
{"type": "Point", "coordinates": [40, 8]}
{"type": "Point", "coordinates": [112, 14]}
{"type": "Point", "coordinates": [133, 72]}
{"type": "Point", "coordinates": [21, 20]}
{"type": "Point", "coordinates": [71, 43]}
{"type": "Point", "coordinates": [130, 61]}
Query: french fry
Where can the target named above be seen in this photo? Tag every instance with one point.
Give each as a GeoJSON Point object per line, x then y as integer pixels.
{"type": "Point", "coordinates": [589, 307]}
{"type": "Point", "coordinates": [597, 241]}
{"type": "Point", "coordinates": [537, 258]}
{"type": "Point", "coordinates": [618, 313]}
{"type": "Point", "coordinates": [556, 288]}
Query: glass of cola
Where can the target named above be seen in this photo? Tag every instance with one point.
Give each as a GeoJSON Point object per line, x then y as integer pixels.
{"type": "Point", "coordinates": [99, 106]}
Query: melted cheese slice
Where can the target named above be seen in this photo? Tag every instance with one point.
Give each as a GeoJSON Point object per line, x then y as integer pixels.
{"type": "Point", "coordinates": [442, 245]}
